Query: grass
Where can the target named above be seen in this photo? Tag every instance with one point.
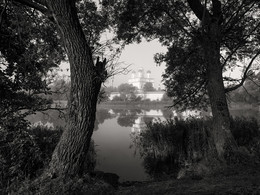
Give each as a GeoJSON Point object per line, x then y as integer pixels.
{"type": "Point", "coordinates": [165, 138]}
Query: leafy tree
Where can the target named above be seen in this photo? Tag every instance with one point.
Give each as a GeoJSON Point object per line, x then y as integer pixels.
{"type": "Point", "coordinates": [101, 116]}
{"type": "Point", "coordinates": [117, 98]}
{"type": "Point", "coordinates": [29, 48]}
{"type": "Point", "coordinates": [127, 117]}
{"type": "Point", "coordinates": [148, 87]}
{"type": "Point", "coordinates": [204, 39]}
{"type": "Point", "coordinates": [126, 91]}
{"type": "Point", "coordinates": [78, 29]}
{"type": "Point", "coordinates": [111, 89]}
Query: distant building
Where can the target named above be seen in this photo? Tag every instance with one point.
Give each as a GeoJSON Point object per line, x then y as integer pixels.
{"type": "Point", "coordinates": [139, 79]}
{"type": "Point", "coordinates": [151, 95]}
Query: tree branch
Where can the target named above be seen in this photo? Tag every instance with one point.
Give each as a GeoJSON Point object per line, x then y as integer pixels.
{"type": "Point", "coordinates": [244, 75]}
{"type": "Point", "coordinates": [258, 85]}
{"type": "Point", "coordinates": [236, 17]}
{"type": "Point", "coordinates": [2, 13]}
{"type": "Point", "coordinates": [178, 23]}
{"type": "Point", "coordinates": [35, 5]}
{"type": "Point", "coordinates": [198, 9]}
{"type": "Point", "coordinates": [241, 43]}
{"type": "Point", "coordinates": [39, 5]}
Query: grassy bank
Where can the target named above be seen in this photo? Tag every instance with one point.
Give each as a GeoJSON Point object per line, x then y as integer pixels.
{"type": "Point", "coordinates": [237, 179]}
{"type": "Point", "coordinates": [183, 142]}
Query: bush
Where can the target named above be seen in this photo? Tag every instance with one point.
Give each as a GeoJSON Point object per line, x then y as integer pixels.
{"type": "Point", "coordinates": [178, 142]}
{"type": "Point", "coordinates": [168, 145]}
{"type": "Point", "coordinates": [244, 130]}
{"type": "Point", "coordinates": [117, 98]}
{"type": "Point", "coordinates": [25, 151]}
{"type": "Point", "coordinates": [247, 134]}
{"type": "Point", "coordinates": [46, 140]}
{"type": "Point", "coordinates": [20, 155]}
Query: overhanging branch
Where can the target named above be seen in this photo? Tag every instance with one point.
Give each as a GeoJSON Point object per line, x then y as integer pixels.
{"type": "Point", "coordinates": [244, 75]}
{"type": "Point", "coordinates": [2, 13]}
{"type": "Point", "coordinates": [39, 5]}
{"type": "Point", "coordinates": [178, 23]}
{"type": "Point", "coordinates": [35, 5]}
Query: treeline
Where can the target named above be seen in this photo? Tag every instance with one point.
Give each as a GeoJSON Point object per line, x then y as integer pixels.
{"type": "Point", "coordinates": [60, 88]}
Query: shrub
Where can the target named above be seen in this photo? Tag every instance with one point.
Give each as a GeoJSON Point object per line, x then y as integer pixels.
{"type": "Point", "coordinates": [178, 142]}
{"type": "Point", "coordinates": [46, 140]}
{"type": "Point", "coordinates": [117, 98]}
{"type": "Point", "coordinates": [20, 155]}
{"type": "Point", "coordinates": [25, 151]}
{"type": "Point", "coordinates": [168, 145]}
{"type": "Point", "coordinates": [244, 130]}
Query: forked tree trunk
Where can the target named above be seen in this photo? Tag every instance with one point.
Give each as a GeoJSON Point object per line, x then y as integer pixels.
{"type": "Point", "coordinates": [70, 153]}
{"type": "Point", "coordinates": [223, 138]}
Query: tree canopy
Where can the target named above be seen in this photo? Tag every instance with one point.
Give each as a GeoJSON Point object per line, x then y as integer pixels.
{"type": "Point", "coordinates": [126, 91]}
{"type": "Point", "coordinates": [148, 87]}
{"type": "Point", "coordinates": [204, 39]}
{"type": "Point", "coordinates": [29, 48]}
{"type": "Point", "coordinates": [36, 36]}
{"type": "Point", "coordinates": [181, 26]}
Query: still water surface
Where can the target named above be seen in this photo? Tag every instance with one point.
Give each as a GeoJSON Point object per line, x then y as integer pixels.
{"type": "Point", "coordinates": [114, 133]}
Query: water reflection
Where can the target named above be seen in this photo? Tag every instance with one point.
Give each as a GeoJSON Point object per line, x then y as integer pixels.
{"type": "Point", "coordinates": [102, 115]}
{"type": "Point", "coordinates": [138, 125]}
{"type": "Point", "coordinates": [117, 135]}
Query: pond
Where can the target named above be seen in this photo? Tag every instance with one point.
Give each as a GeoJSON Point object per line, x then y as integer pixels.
{"type": "Point", "coordinates": [114, 135]}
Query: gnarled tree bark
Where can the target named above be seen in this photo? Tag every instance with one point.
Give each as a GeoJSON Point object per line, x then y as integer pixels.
{"type": "Point", "coordinates": [210, 40]}
{"type": "Point", "coordinates": [70, 153]}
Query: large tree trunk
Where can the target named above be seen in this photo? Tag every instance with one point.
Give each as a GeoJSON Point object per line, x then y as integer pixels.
{"type": "Point", "coordinates": [223, 138]}
{"type": "Point", "coordinates": [70, 153]}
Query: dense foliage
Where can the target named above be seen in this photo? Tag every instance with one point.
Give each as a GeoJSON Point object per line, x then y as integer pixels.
{"type": "Point", "coordinates": [26, 151]}
{"type": "Point", "coordinates": [33, 41]}
{"type": "Point", "coordinates": [29, 48]}
{"type": "Point", "coordinates": [127, 91]}
{"type": "Point", "coordinates": [174, 144]}
{"type": "Point", "coordinates": [182, 27]}
{"type": "Point", "coordinates": [148, 87]}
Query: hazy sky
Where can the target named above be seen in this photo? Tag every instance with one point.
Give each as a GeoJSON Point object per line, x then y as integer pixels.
{"type": "Point", "coordinates": [137, 56]}
{"type": "Point", "coordinates": [140, 56]}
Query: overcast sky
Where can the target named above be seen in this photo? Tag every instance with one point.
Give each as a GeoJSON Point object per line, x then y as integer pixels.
{"type": "Point", "coordinates": [137, 56]}
{"type": "Point", "coordinates": [140, 56]}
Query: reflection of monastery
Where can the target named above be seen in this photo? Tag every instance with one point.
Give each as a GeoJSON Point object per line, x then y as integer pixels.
{"type": "Point", "coordinates": [138, 80]}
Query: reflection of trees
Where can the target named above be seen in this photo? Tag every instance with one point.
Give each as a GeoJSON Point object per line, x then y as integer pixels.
{"type": "Point", "coordinates": [101, 116]}
{"type": "Point", "coordinates": [57, 119]}
{"type": "Point", "coordinates": [166, 146]}
{"type": "Point", "coordinates": [140, 123]}
{"type": "Point", "coordinates": [126, 121]}
{"type": "Point", "coordinates": [127, 118]}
